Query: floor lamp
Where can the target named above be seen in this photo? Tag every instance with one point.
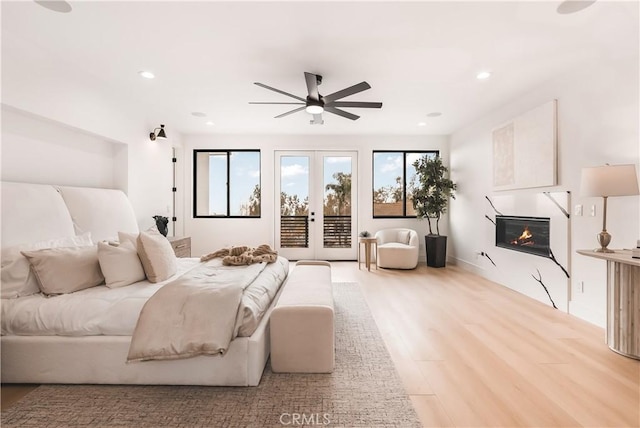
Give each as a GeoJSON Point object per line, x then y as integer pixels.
{"type": "Point", "coordinates": [606, 181]}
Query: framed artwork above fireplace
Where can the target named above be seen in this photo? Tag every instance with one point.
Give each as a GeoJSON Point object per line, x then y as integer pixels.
{"type": "Point", "coordinates": [525, 150]}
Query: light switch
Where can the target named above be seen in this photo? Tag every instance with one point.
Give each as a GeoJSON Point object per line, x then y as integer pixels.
{"type": "Point", "coordinates": [577, 210]}
{"type": "Point", "coordinates": [593, 211]}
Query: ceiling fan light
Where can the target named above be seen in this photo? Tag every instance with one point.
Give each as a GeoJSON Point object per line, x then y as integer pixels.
{"type": "Point", "coordinates": [314, 109]}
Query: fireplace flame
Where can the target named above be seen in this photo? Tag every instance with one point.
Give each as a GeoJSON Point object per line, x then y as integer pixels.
{"type": "Point", "coordinates": [526, 238]}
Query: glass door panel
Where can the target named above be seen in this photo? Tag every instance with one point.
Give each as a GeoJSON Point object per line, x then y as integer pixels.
{"type": "Point", "coordinates": [337, 202]}
{"type": "Point", "coordinates": [292, 186]}
{"type": "Point", "coordinates": [316, 200]}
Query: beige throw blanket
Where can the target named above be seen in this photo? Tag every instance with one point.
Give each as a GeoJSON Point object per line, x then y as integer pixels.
{"type": "Point", "coordinates": [240, 256]}
{"type": "Point", "coordinates": [192, 315]}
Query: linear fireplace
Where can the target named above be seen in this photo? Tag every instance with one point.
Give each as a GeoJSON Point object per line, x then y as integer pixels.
{"type": "Point", "coordinates": [525, 234]}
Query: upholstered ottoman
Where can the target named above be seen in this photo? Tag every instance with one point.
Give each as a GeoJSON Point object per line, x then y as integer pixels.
{"type": "Point", "coordinates": [302, 322]}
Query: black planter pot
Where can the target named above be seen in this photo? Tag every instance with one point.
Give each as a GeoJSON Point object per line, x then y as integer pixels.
{"type": "Point", "coordinates": [436, 250]}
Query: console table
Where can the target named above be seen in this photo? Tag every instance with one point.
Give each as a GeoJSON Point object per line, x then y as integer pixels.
{"type": "Point", "coordinates": [623, 301]}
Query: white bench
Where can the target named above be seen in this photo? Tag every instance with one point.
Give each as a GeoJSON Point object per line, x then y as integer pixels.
{"type": "Point", "coordinates": [302, 322]}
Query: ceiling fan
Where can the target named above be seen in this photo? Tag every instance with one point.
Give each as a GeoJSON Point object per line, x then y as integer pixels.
{"type": "Point", "coordinates": [316, 104]}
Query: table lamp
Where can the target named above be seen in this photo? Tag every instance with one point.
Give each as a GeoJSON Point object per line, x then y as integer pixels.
{"type": "Point", "coordinates": [606, 181]}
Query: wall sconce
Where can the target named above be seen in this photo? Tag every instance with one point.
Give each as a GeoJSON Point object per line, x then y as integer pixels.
{"type": "Point", "coordinates": [160, 134]}
{"type": "Point", "coordinates": [606, 181]}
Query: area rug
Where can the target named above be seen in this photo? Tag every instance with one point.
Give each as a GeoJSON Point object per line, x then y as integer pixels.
{"type": "Point", "coordinates": [363, 391]}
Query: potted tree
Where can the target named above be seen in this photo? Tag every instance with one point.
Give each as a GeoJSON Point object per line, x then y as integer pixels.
{"type": "Point", "coordinates": [431, 191]}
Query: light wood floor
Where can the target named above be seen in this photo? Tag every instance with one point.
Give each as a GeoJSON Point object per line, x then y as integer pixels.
{"type": "Point", "coordinates": [474, 354]}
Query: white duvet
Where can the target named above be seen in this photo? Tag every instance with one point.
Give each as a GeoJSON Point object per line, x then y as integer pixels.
{"type": "Point", "coordinates": [114, 311]}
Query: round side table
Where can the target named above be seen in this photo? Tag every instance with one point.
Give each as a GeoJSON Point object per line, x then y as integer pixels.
{"type": "Point", "coordinates": [368, 243]}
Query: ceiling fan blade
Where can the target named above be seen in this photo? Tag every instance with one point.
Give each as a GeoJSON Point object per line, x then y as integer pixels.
{"type": "Point", "coordinates": [290, 112]}
{"type": "Point", "coordinates": [268, 102]}
{"type": "Point", "coordinates": [317, 119]}
{"type": "Point", "coordinates": [312, 85]}
{"type": "Point", "coordinates": [279, 91]}
{"type": "Point", "coordinates": [362, 86]}
{"type": "Point", "coordinates": [358, 104]}
{"type": "Point", "coordinates": [341, 113]}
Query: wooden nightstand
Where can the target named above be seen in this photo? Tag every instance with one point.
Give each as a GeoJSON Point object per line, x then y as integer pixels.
{"type": "Point", "coordinates": [181, 245]}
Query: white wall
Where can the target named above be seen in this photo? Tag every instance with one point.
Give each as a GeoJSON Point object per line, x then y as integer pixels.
{"type": "Point", "coordinates": [597, 124]}
{"type": "Point", "coordinates": [70, 105]}
{"type": "Point", "coordinates": [39, 151]}
{"type": "Point", "coordinates": [210, 234]}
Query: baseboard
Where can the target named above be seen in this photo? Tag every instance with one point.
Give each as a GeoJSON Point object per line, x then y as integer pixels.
{"type": "Point", "coordinates": [468, 266]}
{"type": "Point", "coordinates": [588, 313]}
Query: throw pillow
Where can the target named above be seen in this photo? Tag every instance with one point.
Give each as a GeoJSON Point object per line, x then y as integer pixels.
{"type": "Point", "coordinates": [157, 256]}
{"type": "Point", "coordinates": [65, 269]}
{"type": "Point", "coordinates": [120, 264]}
{"type": "Point", "coordinates": [16, 277]}
{"type": "Point", "coordinates": [404, 236]}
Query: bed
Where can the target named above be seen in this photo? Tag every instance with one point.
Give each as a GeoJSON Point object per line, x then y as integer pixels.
{"type": "Point", "coordinates": [85, 336]}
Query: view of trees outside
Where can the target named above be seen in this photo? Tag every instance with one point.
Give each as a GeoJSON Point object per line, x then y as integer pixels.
{"type": "Point", "coordinates": [291, 205]}
{"type": "Point", "coordinates": [294, 200]}
{"type": "Point", "coordinates": [389, 178]}
{"type": "Point", "coordinates": [244, 183]}
{"type": "Point", "coordinates": [294, 185]}
{"type": "Point", "coordinates": [252, 209]}
{"type": "Point", "coordinates": [337, 203]}
{"type": "Point", "coordinates": [337, 186]}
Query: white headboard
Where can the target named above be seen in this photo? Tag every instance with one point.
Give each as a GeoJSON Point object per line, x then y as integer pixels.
{"type": "Point", "coordinates": [33, 212]}
{"type": "Point", "coordinates": [37, 212]}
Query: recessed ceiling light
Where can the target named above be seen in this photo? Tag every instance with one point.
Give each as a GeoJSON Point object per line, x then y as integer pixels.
{"type": "Point", "coordinates": [422, 124]}
{"type": "Point", "coordinates": [146, 74]}
{"type": "Point", "coordinates": [434, 114]}
{"type": "Point", "coordinates": [483, 75]}
{"type": "Point", "coordinates": [56, 6]}
{"type": "Point", "coordinates": [198, 114]}
{"type": "Point", "coordinates": [210, 123]}
{"type": "Point", "coordinates": [573, 6]}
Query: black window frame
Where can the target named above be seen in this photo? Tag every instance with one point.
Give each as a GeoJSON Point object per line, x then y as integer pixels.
{"type": "Point", "coordinates": [404, 179]}
{"type": "Point", "coordinates": [228, 153]}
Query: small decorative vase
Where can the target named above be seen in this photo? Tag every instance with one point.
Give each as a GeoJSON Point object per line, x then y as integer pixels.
{"type": "Point", "coordinates": [161, 224]}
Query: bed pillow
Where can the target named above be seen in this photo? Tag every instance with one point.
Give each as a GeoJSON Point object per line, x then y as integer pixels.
{"type": "Point", "coordinates": [120, 264]}
{"type": "Point", "coordinates": [17, 278]}
{"type": "Point", "coordinates": [157, 256]}
{"type": "Point", "coordinates": [65, 269]}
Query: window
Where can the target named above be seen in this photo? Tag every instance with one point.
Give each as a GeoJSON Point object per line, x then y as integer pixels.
{"type": "Point", "coordinates": [393, 177]}
{"type": "Point", "coordinates": [226, 183]}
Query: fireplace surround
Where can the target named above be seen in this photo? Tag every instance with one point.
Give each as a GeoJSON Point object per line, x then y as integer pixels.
{"type": "Point", "coordinates": [525, 234]}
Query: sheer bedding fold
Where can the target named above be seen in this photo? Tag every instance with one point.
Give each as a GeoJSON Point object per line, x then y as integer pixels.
{"type": "Point", "coordinates": [114, 312]}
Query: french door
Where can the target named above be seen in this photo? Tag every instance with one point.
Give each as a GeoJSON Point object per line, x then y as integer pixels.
{"type": "Point", "coordinates": [315, 203]}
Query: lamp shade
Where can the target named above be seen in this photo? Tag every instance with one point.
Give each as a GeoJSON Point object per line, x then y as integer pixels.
{"type": "Point", "coordinates": [609, 180]}
{"type": "Point", "coordinates": [161, 133]}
